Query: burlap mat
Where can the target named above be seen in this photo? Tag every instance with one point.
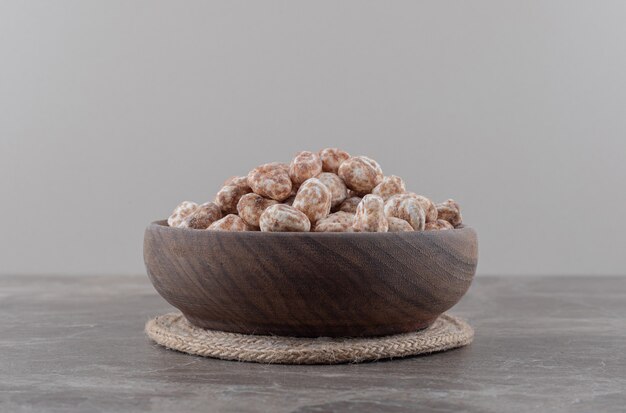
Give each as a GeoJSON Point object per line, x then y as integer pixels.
{"type": "Point", "coordinates": [175, 332]}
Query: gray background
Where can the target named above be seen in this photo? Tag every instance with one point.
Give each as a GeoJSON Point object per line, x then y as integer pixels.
{"type": "Point", "coordinates": [111, 112]}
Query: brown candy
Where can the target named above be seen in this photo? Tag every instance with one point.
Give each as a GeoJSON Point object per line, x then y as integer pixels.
{"type": "Point", "coordinates": [370, 215]}
{"type": "Point", "coordinates": [428, 206]}
{"type": "Point", "coordinates": [450, 211]}
{"type": "Point", "coordinates": [182, 211]}
{"type": "Point", "coordinates": [251, 206]}
{"type": "Point", "coordinates": [408, 208]}
{"type": "Point", "coordinates": [284, 218]}
{"type": "Point", "coordinates": [398, 225]}
{"type": "Point", "coordinates": [228, 197]}
{"type": "Point", "coordinates": [304, 166]}
{"type": "Point", "coordinates": [203, 216]}
{"type": "Point", "coordinates": [271, 180]}
{"type": "Point", "coordinates": [230, 222]}
{"type": "Point", "coordinates": [350, 204]}
{"type": "Point", "coordinates": [360, 173]}
{"type": "Point", "coordinates": [313, 198]}
{"type": "Point", "coordinates": [332, 158]}
{"type": "Point", "coordinates": [337, 187]}
{"type": "Point", "coordinates": [389, 186]}
{"type": "Point", "coordinates": [241, 181]}
{"type": "Point", "coordinates": [335, 222]}
{"type": "Point", "coordinates": [440, 224]}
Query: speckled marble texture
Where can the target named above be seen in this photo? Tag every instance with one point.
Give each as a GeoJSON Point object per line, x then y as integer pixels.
{"type": "Point", "coordinates": [76, 344]}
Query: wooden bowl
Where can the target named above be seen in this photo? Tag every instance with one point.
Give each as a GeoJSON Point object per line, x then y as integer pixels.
{"type": "Point", "coordinates": [310, 284]}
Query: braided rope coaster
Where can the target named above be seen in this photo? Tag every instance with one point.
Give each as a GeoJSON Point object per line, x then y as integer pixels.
{"type": "Point", "coordinates": [175, 332]}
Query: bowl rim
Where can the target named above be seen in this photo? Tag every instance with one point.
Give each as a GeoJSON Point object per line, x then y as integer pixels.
{"type": "Point", "coordinates": [163, 226]}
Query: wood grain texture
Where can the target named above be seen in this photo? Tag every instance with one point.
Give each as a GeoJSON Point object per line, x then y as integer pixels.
{"type": "Point", "coordinates": [310, 284]}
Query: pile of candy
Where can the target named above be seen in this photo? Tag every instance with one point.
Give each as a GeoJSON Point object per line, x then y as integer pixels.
{"type": "Point", "coordinates": [329, 191]}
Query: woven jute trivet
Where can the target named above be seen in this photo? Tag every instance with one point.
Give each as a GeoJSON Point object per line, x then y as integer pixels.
{"type": "Point", "coordinates": [175, 332]}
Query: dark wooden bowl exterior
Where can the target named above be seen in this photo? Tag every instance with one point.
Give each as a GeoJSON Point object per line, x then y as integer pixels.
{"type": "Point", "coordinates": [310, 284]}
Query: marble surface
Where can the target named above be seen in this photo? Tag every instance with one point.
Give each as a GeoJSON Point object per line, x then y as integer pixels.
{"type": "Point", "coordinates": [76, 344]}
